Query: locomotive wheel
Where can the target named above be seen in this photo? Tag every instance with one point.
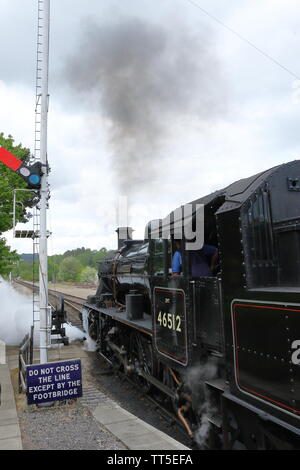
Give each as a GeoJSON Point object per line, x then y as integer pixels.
{"type": "Point", "coordinates": [142, 358]}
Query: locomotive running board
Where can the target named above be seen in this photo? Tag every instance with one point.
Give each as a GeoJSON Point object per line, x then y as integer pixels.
{"type": "Point", "coordinates": [145, 325]}
{"type": "Point", "coordinates": [263, 415]}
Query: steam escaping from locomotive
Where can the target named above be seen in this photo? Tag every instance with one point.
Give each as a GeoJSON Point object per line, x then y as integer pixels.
{"type": "Point", "coordinates": [15, 314]}
{"type": "Point", "coordinates": [196, 378]}
{"type": "Point", "coordinates": [89, 344]}
{"type": "Point", "coordinates": [144, 80]}
{"type": "Point", "coordinates": [16, 318]}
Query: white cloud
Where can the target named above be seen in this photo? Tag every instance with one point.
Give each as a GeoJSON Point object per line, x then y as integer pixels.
{"type": "Point", "coordinates": [296, 92]}
{"type": "Point", "coordinates": [259, 130]}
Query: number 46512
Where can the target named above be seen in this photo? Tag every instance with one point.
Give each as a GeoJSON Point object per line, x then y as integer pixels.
{"type": "Point", "coordinates": [170, 321]}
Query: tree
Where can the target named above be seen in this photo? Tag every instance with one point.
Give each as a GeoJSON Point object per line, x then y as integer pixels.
{"type": "Point", "coordinates": [8, 258]}
{"type": "Point", "coordinates": [87, 257]}
{"type": "Point", "coordinates": [9, 181]}
{"type": "Point", "coordinates": [88, 275]}
{"type": "Point", "coordinates": [69, 269]}
{"type": "Point", "coordinates": [53, 269]}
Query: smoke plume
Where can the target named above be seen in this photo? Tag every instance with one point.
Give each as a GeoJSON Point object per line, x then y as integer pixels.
{"type": "Point", "coordinates": [195, 379]}
{"type": "Point", "coordinates": [142, 78]}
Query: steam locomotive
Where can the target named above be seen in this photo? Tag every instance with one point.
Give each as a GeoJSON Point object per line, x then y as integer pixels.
{"type": "Point", "coordinates": [223, 350]}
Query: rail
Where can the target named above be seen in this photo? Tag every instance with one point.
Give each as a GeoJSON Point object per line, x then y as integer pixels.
{"type": "Point", "coordinates": [25, 359]}
{"type": "Point", "coordinates": [54, 293]}
{"type": "Point", "coordinates": [74, 303]}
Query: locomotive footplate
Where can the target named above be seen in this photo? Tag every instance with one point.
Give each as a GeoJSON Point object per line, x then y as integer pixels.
{"type": "Point", "coordinates": [144, 325]}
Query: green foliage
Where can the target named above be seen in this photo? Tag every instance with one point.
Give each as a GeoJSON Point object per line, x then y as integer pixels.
{"type": "Point", "coordinates": [9, 181]}
{"type": "Point", "coordinates": [8, 258]}
{"type": "Point", "coordinates": [58, 267]}
{"type": "Point", "coordinates": [26, 270]}
{"type": "Point", "coordinates": [88, 275]}
{"type": "Point", "coordinates": [87, 257]}
{"type": "Point", "coordinates": [69, 269]}
{"type": "Point", "coordinates": [53, 269]}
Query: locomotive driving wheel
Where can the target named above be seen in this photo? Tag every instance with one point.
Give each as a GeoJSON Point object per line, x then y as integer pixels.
{"type": "Point", "coordinates": [141, 355]}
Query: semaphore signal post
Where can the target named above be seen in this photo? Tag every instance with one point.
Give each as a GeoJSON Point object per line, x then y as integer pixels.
{"type": "Point", "coordinates": [42, 110]}
{"type": "Point", "coordinates": [36, 176]}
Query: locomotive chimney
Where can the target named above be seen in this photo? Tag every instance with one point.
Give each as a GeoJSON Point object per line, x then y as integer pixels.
{"type": "Point", "coordinates": [124, 233]}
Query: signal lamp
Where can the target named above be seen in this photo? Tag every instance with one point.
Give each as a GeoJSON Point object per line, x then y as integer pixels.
{"type": "Point", "coordinates": [32, 174]}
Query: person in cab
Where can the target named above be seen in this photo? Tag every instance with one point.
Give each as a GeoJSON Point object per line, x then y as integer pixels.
{"type": "Point", "coordinates": [177, 259]}
{"type": "Point", "coordinates": [204, 261]}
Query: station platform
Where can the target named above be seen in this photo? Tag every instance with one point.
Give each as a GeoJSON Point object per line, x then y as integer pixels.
{"type": "Point", "coordinates": [10, 434]}
{"type": "Point", "coordinates": [112, 425]}
{"type": "Point", "coordinates": [134, 433]}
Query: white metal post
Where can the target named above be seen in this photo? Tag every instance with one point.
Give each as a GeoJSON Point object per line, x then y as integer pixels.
{"type": "Point", "coordinates": [43, 251]}
{"type": "Point", "coordinates": [14, 213]}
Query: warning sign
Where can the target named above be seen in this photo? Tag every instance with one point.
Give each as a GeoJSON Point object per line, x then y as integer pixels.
{"type": "Point", "coordinates": [54, 382]}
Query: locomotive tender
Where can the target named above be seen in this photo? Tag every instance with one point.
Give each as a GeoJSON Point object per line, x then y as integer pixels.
{"type": "Point", "coordinates": [224, 350]}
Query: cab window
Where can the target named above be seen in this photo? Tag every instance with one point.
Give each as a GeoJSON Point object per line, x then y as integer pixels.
{"type": "Point", "coordinates": [158, 257]}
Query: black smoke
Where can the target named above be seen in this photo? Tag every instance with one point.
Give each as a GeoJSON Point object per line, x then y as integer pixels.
{"type": "Point", "coordinates": [143, 77]}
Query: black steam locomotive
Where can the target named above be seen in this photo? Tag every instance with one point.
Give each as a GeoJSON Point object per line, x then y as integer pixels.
{"type": "Point", "coordinates": [224, 350]}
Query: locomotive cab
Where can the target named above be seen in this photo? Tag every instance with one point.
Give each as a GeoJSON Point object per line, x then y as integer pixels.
{"type": "Point", "coordinates": [186, 306]}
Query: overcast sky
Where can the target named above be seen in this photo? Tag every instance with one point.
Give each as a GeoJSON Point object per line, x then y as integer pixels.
{"type": "Point", "coordinates": [217, 109]}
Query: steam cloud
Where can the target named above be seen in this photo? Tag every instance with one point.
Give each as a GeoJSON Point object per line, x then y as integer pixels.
{"type": "Point", "coordinates": [15, 314]}
{"type": "Point", "coordinates": [142, 77]}
{"type": "Point", "coordinates": [16, 318]}
{"type": "Point", "coordinates": [195, 379]}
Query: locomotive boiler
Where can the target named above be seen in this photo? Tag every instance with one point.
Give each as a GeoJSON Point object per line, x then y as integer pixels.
{"type": "Point", "coordinates": [223, 350]}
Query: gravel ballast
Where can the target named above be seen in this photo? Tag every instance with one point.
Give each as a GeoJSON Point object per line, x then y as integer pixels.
{"type": "Point", "coordinates": [66, 427]}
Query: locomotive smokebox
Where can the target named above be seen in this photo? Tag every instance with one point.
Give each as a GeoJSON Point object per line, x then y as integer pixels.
{"type": "Point", "coordinates": [124, 233]}
{"type": "Point", "coordinates": [134, 305]}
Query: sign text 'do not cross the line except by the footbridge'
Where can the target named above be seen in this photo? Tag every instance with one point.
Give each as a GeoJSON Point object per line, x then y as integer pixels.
{"type": "Point", "coordinates": [54, 382]}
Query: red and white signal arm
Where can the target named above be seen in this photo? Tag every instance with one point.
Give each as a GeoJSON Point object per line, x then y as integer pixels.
{"type": "Point", "coordinates": [31, 174]}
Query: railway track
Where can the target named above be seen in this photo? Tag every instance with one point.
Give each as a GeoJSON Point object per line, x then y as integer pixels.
{"type": "Point", "coordinates": [73, 305]}
{"type": "Point", "coordinates": [72, 298]}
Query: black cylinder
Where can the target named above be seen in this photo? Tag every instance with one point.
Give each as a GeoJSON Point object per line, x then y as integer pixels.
{"type": "Point", "coordinates": [134, 306]}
